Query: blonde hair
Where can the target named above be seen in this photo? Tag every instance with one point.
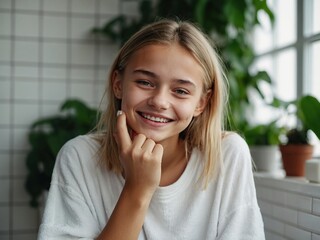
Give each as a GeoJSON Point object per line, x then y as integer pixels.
{"type": "Point", "coordinates": [205, 131]}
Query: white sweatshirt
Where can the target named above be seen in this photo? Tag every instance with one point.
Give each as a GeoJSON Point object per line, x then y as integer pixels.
{"type": "Point", "coordinates": [83, 195]}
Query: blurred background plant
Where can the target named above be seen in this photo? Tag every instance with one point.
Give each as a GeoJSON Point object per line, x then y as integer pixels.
{"type": "Point", "coordinates": [47, 136]}
{"type": "Point", "coordinates": [306, 112]}
{"type": "Point", "coordinates": [263, 134]}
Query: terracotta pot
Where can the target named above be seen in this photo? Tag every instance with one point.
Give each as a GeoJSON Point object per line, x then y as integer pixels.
{"type": "Point", "coordinates": [294, 157]}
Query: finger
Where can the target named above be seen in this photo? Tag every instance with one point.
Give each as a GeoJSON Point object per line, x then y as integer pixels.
{"type": "Point", "coordinates": [158, 150]}
{"type": "Point", "coordinates": [122, 136]}
{"type": "Point", "coordinates": [148, 145]}
{"type": "Point", "coordinates": [139, 140]}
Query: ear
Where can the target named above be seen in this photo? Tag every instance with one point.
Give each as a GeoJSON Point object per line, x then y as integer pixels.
{"type": "Point", "coordinates": [117, 84]}
{"type": "Point", "coordinates": [202, 103]}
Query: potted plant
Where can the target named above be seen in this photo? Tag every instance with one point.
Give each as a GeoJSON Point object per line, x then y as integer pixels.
{"type": "Point", "coordinates": [47, 136]}
{"type": "Point", "coordinates": [263, 141]}
{"type": "Point", "coordinates": [296, 148]}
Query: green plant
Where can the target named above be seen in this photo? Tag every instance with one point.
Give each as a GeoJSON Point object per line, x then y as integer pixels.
{"type": "Point", "coordinates": [229, 22]}
{"type": "Point", "coordinates": [263, 134]}
{"type": "Point", "coordinates": [47, 136]}
{"type": "Point", "coordinates": [307, 112]}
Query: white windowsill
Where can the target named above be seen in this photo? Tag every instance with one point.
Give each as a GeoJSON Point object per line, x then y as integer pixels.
{"type": "Point", "coordinates": [279, 181]}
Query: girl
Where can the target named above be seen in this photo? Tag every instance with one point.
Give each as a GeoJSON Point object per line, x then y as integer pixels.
{"type": "Point", "coordinates": [163, 168]}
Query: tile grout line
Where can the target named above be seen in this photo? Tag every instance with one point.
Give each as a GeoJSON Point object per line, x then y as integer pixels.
{"type": "Point", "coordinates": [11, 125]}
{"type": "Point", "coordinates": [69, 50]}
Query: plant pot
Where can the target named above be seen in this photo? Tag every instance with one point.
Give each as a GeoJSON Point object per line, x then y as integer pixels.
{"type": "Point", "coordinates": [265, 157]}
{"type": "Point", "coordinates": [294, 157]}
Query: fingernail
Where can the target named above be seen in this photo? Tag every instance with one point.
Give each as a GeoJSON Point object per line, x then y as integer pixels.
{"type": "Point", "coordinates": [119, 113]}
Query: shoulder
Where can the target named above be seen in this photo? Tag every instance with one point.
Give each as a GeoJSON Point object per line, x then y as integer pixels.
{"type": "Point", "coordinates": [78, 153]}
{"type": "Point", "coordinates": [83, 145]}
{"type": "Point", "coordinates": [233, 142]}
{"type": "Point", "coordinates": [235, 152]}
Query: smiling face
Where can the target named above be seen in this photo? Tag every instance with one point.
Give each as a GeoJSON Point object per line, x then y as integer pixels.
{"type": "Point", "coordinates": [161, 90]}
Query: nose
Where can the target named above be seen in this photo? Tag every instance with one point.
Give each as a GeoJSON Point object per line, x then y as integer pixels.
{"type": "Point", "coordinates": [159, 100]}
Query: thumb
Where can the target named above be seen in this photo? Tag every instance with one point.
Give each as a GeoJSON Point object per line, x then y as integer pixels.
{"type": "Point", "coordinates": [122, 136]}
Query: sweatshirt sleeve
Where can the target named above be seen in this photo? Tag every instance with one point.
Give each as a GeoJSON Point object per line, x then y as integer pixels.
{"type": "Point", "coordinates": [67, 214]}
{"type": "Point", "coordinates": [240, 216]}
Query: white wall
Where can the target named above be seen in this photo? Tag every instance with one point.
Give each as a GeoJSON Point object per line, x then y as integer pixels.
{"type": "Point", "coordinates": [290, 208]}
{"type": "Point", "coordinates": [46, 56]}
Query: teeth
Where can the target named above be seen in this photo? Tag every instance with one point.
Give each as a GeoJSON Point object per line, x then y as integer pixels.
{"type": "Point", "coordinates": [155, 119]}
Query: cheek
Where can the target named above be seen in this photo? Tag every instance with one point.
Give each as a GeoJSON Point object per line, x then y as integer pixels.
{"type": "Point", "coordinates": [130, 101]}
{"type": "Point", "coordinates": [186, 112]}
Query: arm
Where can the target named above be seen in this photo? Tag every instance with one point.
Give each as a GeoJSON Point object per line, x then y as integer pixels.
{"type": "Point", "coordinates": [141, 160]}
{"type": "Point", "coordinates": [240, 216]}
{"type": "Point", "coordinates": [128, 214]}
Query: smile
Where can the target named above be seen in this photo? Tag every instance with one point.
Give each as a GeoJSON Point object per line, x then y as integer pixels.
{"type": "Point", "coordinates": [155, 119]}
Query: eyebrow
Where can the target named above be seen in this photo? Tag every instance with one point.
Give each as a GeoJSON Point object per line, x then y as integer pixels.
{"type": "Point", "coordinates": [154, 75]}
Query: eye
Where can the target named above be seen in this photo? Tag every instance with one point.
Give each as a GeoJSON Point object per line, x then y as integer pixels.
{"type": "Point", "coordinates": [181, 91]}
{"type": "Point", "coordinates": [144, 83]}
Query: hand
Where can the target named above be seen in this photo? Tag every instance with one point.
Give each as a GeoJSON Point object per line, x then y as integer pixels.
{"type": "Point", "coordinates": [141, 160]}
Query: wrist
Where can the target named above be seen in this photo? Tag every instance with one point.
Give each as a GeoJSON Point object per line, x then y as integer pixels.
{"type": "Point", "coordinates": [138, 197]}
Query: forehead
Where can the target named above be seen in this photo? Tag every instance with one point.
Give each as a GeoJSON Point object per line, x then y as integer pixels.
{"type": "Point", "coordinates": [166, 59]}
{"type": "Point", "coordinates": [158, 50]}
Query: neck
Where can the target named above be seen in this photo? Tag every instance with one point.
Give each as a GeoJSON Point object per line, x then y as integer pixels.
{"type": "Point", "coordinates": [174, 162]}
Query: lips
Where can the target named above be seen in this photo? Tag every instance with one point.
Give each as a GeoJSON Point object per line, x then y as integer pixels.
{"type": "Point", "coordinates": [154, 118]}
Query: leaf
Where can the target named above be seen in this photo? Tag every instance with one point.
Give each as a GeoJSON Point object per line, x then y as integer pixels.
{"type": "Point", "coordinates": [200, 10]}
{"type": "Point", "coordinates": [309, 113]}
{"type": "Point", "coordinates": [79, 109]}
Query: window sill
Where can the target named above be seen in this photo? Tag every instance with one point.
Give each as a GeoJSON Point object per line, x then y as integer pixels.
{"type": "Point", "coordinates": [279, 181]}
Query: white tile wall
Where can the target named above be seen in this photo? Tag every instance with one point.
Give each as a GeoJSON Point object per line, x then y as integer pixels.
{"type": "Point", "coordinates": [315, 236]}
{"type": "Point", "coordinates": [26, 72]}
{"type": "Point", "coordinates": [25, 90]}
{"type": "Point", "coordinates": [83, 53]}
{"type": "Point", "coordinates": [59, 6]}
{"type": "Point", "coordinates": [79, 74]}
{"type": "Point", "coordinates": [54, 91]}
{"type": "Point", "coordinates": [80, 27]}
{"type": "Point", "coordinates": [5, 68]}
{"type": "Point", "coordinates": [46, 56]}
{"type": "Point", "coordinates": [19, 164]}
{"type": "Point", "coordinates": [5, 46]}
{"type": "Point", "coordinates": [5, 4]}
{"type": "Point", "coordinates": [296, 233]}
{"type": "Point", "coordinates": [27, 5]}
{"type": "Point", "coordinates": [82, 6]}
{"type": "Point", "coordinates": [5, 24]}
{"type": "Point", "coordinates": [55, 26]}
{"type": "Point", "coordinates": [130, 8]}
{"type": "Point", "coordinates": [316, 206]}
{"type": "Point", "coordinates": [54, 73]}
{"type": "Point", "coordinates": [5, 89]}
{"type": "Point", "coordinates": [24, 218]}
{"type": "Point", "coordinates": [109, 7]}
{"type": "Point", "coordinates": [5, 139]}
{"type": "Point", "coordinates": [20, 142]}
{"type": "Point", "coordinates": [5, 164]}
{"type": "Point", "coordinates": [5, 219]}
{"type": "Point", "coordinates": [26, 25]}
{"type": "Point", "coordinates": [290, 207]}
{"type": "Point", "coordinates": [26, 51]}
{"type": "Point", "coordinates": [5, 113]}
{"type": "Point", "coordinates": [4, 186]}
{"type": "Point", "coordinates": [55, 52]}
